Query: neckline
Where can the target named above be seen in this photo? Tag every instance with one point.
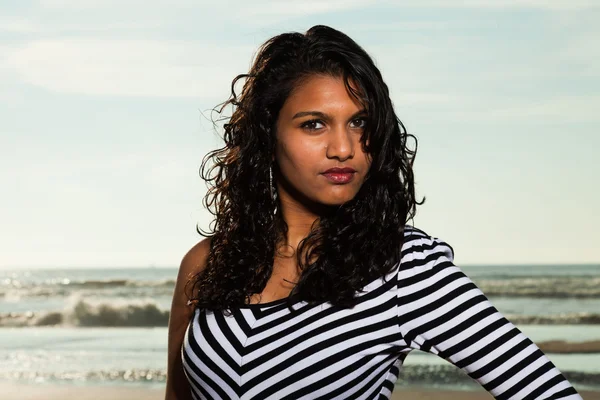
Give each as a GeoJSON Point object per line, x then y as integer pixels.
{"type": "Point", "coordinates": [270, 303]}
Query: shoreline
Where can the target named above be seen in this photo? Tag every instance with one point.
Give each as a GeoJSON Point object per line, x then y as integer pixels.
{"type": "Point", "coordinates": [21, 391]}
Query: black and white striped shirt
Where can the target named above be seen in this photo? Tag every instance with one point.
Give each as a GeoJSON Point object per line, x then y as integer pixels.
{"type": "Point", "coordinates": [266, 351]}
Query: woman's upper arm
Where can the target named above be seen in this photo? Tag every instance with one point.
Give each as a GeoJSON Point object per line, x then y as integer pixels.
{"type": "Point", "coordinates": [193, 262]}
{"type": "Point", "coordinates": [443, 312]}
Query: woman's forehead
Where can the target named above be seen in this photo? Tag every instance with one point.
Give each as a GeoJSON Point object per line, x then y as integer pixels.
{"type": "Point", "coordinates": [324, 92]}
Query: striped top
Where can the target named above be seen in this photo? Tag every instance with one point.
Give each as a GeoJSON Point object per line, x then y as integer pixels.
{"type": "Point", "coordinates": [267, 351]}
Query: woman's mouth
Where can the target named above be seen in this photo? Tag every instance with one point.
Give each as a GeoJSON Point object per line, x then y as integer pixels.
{"type": "Point", "coordinates": [339, 175]}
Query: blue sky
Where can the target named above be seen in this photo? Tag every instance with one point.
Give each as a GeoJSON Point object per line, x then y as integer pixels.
{"type": "Point", "coordinates": [102, 128]}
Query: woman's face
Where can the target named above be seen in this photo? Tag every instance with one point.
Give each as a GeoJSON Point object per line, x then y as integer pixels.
{"type": "Point", "coordinates": [319, 128]}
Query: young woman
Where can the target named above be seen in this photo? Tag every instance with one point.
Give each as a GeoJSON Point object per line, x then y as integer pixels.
{"type": "Point", "coordinates": [312, 283]}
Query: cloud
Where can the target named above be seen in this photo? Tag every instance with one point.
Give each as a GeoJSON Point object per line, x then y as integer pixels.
{"type": "Point", "coordinates": [567, 108]}
{"type": "Point", "coordinates": [499, 4]}
{"type": "Point", "coordinates": [129, 67]}
{"type": "Point", "coordinates": [314, 6]}
{"type": "Point", "coordinates": [302, 8]}
{"type": "Point", "coordinates": [428, 99]}
{"type": "Point", "coordinates": [495, 109]}
{"type": "Point", "coordinates": [249, 13]}
{"type": "Point", "coordinates": [18, 25]}
{"type": "Point", "coordinates": [449, 70]}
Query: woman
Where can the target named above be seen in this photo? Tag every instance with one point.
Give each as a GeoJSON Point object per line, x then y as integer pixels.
{"type": "Point", "coordinates": [312, 284]}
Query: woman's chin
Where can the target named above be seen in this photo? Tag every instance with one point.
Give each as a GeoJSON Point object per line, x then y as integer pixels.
{"type": "Point", "coordinates": [337, 200]}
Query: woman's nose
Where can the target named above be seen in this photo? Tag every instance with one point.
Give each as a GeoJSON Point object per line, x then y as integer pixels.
{"type": "Point", "coordinates": [340, 144]}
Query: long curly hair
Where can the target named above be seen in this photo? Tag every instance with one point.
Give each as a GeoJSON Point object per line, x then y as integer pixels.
{"type": "Point", "coordinates": [356, 242]}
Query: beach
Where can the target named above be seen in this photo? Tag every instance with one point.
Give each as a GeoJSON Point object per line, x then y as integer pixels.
{"type": "Point", "coordinates": [102, 333]}
{"type": "Point", "coordinates": [13, 391]}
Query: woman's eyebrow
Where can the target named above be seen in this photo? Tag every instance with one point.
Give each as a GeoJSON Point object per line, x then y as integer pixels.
{"type": "Point", "coordinates": [313, 113]}
{"type": "Point", "coordinates": [326, 116]}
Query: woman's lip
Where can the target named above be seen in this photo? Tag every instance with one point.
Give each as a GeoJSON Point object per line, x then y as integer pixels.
{"type": "Point", "coordinates": [339, 177]}
{"type": "Point", "coordinates": [339, 171]}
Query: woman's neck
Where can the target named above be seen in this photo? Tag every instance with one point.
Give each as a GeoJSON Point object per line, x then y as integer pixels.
{"type": "Point", "coordinates": [300, 214]}
{"type": "Point", "coordinates": [299, 221]}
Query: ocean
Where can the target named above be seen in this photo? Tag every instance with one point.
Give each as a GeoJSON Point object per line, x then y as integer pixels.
{"type": "Point", "coordinates": [109, 326]}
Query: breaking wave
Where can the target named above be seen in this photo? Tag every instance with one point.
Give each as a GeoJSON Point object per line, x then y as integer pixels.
{"type": "Point", "coordinates": [89, 314]}
{"type": "Point", "coordinates": [581, 287]}
{"type": "Point", "coordinates": [578, 318]}
{"type": "Point", "coordinates": [544, 286]}
{"type": "Point", "coordinates": [146, 313]}
{"type": "Point", "coordinates": [14, 289]}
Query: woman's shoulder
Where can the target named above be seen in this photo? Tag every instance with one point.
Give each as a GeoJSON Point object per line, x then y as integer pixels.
{"type": "Point", "coordinates": [193, 262]}
{"type": "Point", "coordinates": [421, 249]}
{"type": "Point", "coordinates": [195, 258]}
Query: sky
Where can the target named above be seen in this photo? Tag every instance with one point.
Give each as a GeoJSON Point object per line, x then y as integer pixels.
{"type": "Point", "coordinates": [105, 107]}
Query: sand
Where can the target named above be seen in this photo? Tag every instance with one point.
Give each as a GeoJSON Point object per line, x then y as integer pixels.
{"type": "Point", "coordinates": [15, 391]}
{"type": "Point", "coordinates": [561, 346]}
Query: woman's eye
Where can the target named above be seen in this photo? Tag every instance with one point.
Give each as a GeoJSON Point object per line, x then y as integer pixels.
{"type": "Point", "coordinates": [312, 125]}
{"type": "Point", "coordinates": [359, 122]}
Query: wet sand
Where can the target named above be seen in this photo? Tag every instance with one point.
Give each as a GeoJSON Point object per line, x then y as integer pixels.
{"type": "Point", "coordinates": [14, 391]}
{"type": "Point", "coordinates": [561, 346]}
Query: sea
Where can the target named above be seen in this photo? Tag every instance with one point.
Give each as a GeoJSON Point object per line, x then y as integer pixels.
{"type": "Point", "coordinates": [109, 325]}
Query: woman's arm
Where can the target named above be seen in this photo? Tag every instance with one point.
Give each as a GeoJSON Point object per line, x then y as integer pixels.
{"type": "Point", "coordinates": [443, 312]}
{"type": "Point", "coordinates": [178, 387]}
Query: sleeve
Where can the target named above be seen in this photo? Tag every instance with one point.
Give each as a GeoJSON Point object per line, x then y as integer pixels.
{"type": "Point", "coordinates": [441, 311]}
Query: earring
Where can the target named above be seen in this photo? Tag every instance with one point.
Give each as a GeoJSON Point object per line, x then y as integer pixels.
{"type": "Point", "coordinates": [272, 189]}
{"type": "Point", "coordinates": [271, 180]}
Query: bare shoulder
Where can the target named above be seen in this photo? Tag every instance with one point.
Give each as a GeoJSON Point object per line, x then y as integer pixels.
{"type": "Point", "coordinates": [194, 260]}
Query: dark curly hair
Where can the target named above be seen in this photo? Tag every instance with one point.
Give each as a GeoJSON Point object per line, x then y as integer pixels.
{"type": "Point", "coordinates": [346, 248]}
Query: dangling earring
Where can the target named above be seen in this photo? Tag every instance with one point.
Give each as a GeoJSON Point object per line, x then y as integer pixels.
{"type": "Point", "coordinates": [273, 190]}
